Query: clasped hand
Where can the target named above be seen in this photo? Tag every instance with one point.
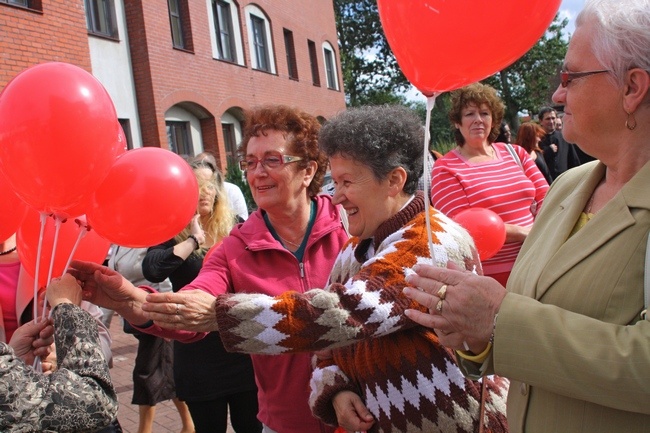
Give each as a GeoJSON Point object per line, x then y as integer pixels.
{"type": "Point", "coordinates": [189, 310]}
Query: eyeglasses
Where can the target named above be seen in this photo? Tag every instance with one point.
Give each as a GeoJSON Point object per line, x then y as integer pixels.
{"type": "Point", "coordinates": [270, 161]}
{"type": "Point", "coordinates": [567, 77]}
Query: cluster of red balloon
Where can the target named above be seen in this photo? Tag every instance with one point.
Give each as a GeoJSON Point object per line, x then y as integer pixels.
{"type": "Point", "coordinates": [444, 45]}
{"type": "Point", "coordinates": [62, 154]}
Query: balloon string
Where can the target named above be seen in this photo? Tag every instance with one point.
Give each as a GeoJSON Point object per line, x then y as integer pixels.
{"type": "Point", "coordinates": [431, 100]}
{"type": "Point", "coordinates": [83, 229]}
{"type": "Point", "coordinates": [57, 230]}
{"type": "Point", "coordinates": [37, 361]}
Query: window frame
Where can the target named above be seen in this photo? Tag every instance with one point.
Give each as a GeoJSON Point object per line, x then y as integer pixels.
{"type": "Point", "coordinates": [313, 62]}
{"type": "Point", "coordinates": [255, 17]}
{"type": "Point", "coordinates": [222, 8]}
{"type": "Point", "coordinates": [175, 128]}
{"type": "Point", "coordinates": [292, 64]}
{"type": "Point", "coordinates": [331, 67]}
{"type": "Point", "coordinates": [95, 24]}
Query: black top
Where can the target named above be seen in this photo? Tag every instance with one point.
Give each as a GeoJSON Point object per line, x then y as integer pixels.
{"type": "Point", "coordinates": [202, 370]}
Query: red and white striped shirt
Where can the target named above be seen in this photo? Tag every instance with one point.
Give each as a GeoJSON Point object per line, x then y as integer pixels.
{"type": "Point", "coordinates": [500, 185]}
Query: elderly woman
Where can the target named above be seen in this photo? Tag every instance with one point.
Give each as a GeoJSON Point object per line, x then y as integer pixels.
{"type": "Point", "coordinates": [569, 332]}
{"type": "Point", "coordinates": [291, 241]}
{"type": "Point", "coordinates": [480, 172]}
{"type": "Point", "coordinates": [407, 380]}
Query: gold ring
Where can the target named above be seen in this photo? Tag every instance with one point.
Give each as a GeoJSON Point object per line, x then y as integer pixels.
{"type": "Point", "coordinates": [178, 309]}
{"type": "Point", "coordinates": [442, 292]}
{"type": "Point", "coordinates": [439, 306]}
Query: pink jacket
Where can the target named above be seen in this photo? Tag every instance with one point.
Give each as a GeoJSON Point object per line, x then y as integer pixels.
{"type": "Point", "coordinates": [250, 260]}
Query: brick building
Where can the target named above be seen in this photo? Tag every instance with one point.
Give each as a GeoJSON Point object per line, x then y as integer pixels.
{"type": "Point", "coordinates": [181, 72]}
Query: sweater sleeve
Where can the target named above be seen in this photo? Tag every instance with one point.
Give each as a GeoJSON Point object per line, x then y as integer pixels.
{"type": "Point", "coordinates": [370, 304]}
{"type": "Point", "coordinates": [79, 396]}
{"type": "Point", "coordinates": [327, 380]}
{"type": "Point", "coordinates": [160, 262]}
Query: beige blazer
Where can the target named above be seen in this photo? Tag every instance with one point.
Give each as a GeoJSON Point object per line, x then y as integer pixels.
{"type": "Point", "coordinates": [568, 334]}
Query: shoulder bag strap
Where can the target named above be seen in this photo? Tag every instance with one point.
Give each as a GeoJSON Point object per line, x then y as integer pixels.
{"type": "Point", "coordinates": [512, 152]}
{"type": "Point", "coordinates": [646, 283]}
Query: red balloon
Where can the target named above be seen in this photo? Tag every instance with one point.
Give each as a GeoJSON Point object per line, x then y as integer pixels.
{"type": "Point", "coordinates": [149, 196]}
{"type": "Point", "coordinates": [14, 210]}
{"type": "Point", "coordinates": [444, 45]}
{"type": "Point", "coordinates": [486, 227]}
{"type": "Point", "coordinates": [58, 130]}
{"type": "Point", "coordinates": [91, 247]}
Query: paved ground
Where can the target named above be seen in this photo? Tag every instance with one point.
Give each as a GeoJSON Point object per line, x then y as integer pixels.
{"type": "Point", "coordinates": [124, 349]}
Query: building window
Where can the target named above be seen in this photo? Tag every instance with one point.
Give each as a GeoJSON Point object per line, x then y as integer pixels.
{"type": "Point", "coordinates": [330, 67]}
{"type": "Point", "coordinates": [23, 3]}
{"type": "Point", "coordinates": [260, 43]}
{"type": "Point", "coordinates": [176, 22]}
{"type": "Point", "coordinates": [126, 128]}
{"type": "Point", "coordinates": [179, 138]}
{"type": "Point", "coordinates": [100, 18]}
{"type": "Point", "coordinates": [313, 60]}
{"type": "Point", "coordinates": [292, 66]}
{"type": "Point", "coordinates": [230, 144]}
{"type": "Point", "coordinates": [224, 29]}
{"type": "Point", "coordinates": [260, 39]}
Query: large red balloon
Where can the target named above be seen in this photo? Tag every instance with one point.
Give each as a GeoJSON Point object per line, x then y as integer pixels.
{"type": "Point", "coordinates": [149, 196]}
{"type": "Point", "coordinates": [442, 45]}
{"type": "Point", "coordinates": [58, 130]}
{"type": "Point", "coordinates": [91, 247]}
{"type": "Point", "coordinates": [486, 227]}
{"type": "Point", "coordinates": [14, 210]}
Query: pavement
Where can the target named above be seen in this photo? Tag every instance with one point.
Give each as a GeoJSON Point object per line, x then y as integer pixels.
{"type": "Point", "coordinates": [124, 349]}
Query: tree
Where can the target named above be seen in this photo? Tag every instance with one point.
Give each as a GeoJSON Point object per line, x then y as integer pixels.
{"type": "Point", "coordinates": [528, 84]}
{"type": "Point", "coordinates": [370, 72]}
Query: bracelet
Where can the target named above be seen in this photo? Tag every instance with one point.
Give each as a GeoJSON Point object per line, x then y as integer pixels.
{"type": "Point", "coordinates": [483, 355]}
{"type": "Point", "coordinates": [476, 358]}
{"type": "Point", "coordinates": [198, 245]}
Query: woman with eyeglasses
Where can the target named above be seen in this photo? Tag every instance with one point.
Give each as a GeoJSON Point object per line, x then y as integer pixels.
{"type": "Point", "coordinates": [571, 330]}
{"type": "Point", "coordinates": [289, 242]}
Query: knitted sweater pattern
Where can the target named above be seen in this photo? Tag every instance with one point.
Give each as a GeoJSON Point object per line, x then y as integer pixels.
{"type": "Point", "coordinates": [407, 379]}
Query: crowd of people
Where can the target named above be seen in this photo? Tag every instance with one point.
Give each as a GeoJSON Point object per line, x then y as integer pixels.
{"type": "Point", "coordinates": [368, 309]}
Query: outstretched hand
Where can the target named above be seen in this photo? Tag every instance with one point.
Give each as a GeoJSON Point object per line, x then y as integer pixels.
{"type": "Point", "coordinates": [107, 288]}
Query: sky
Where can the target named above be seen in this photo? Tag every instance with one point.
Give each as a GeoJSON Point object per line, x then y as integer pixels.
{"type": "Point", "coordinates": [569, 9]}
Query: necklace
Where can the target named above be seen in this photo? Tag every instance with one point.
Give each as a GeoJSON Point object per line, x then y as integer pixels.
{"type": "Point", "coordinates": [9, 251]}
{"type": "Point", "coordinates": [284, 241]}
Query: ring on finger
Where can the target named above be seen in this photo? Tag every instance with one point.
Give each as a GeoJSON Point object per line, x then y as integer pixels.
{"type": "Point", "coordinates": [442, 292]}
{"type": "Point", "coordinates": [439, 306]}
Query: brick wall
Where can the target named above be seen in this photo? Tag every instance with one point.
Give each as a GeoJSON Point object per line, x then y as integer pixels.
{"type": "Point", "coordinates": [55, 33]}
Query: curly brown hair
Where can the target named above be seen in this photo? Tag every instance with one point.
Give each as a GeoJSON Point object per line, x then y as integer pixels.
{"type": "Point", "coordinates": [300, 130]}
{"type": "Point", "coordinates": [476, 94]}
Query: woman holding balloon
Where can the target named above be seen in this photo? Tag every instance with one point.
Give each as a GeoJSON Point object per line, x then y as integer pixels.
{"type": "Point", "coordinates": [572, 328]}
{"type": "Point", "coordinates": [480, 173]}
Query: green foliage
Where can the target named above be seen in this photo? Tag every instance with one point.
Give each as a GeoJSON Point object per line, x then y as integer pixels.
{"type": "Point", "coordinates": [529, 83]}
{"type": "Point", "coordinates": [442, 138]}
{"type": "Point", "coordinates": [370, 71]}
{"type": "Point", "coordinates": [236, 176]}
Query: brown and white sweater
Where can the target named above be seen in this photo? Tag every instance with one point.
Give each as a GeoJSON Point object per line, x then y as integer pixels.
{"type": "Point", "coordinates": [407, 379]}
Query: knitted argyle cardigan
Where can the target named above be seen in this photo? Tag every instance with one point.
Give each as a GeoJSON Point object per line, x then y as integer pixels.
{"type": "Point", "coordinates": [407, 379]}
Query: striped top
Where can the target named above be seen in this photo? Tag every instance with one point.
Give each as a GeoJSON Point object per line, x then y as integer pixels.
{"type": "Point", "coordinates": [501, 185]}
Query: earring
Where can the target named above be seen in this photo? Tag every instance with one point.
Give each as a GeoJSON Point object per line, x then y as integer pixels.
{"type": "Point", "coordinates": [630, 122]}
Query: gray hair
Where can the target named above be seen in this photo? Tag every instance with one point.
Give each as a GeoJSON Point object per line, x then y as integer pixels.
{"type": "Point", "coordinates": [622, 34]}
{"type": "Point", "coordinates": [381, 137]}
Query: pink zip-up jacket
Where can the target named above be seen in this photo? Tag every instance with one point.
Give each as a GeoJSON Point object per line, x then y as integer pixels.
{"type": "Point", "coordinates": [250, 260]}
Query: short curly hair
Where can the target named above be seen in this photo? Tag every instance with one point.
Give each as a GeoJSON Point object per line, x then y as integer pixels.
{"type": "Point", "coordinates": [301, 132]}
{"type": "Point", "coordinates": [476, 94]}
{"type": "Point", "coordinates": [381, 137]}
